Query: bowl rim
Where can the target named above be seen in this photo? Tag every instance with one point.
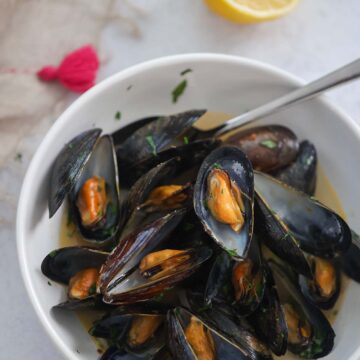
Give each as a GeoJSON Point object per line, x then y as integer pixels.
{"type": "Point", "coordinates": [88, 96]}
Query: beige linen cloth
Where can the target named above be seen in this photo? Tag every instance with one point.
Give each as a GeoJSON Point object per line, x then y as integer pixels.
{"type": "Point", "coordinates": [34, 33]}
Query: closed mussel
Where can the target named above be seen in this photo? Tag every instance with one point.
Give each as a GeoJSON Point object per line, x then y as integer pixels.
{"type": "Point", "coordinates": [223, 199]}
{"type": "Point", "coordinates": [268, 147]}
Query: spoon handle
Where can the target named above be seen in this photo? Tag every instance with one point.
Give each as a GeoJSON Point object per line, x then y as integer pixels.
{"type": "Point", "coordinates": [340, 76]}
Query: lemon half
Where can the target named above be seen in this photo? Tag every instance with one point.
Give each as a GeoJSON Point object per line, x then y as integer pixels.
{"type": "Point", "coordinates": [251, 11]}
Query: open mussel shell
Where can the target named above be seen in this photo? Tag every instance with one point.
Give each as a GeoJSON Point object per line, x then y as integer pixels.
{"type": "Point", "coordinates": [317, 338]}
{"type": "Point", "coordinates": [350, 261]}
{"type": "Point", "coordinates": [68, 167]}
{"type": "Point", "coordinates": [301, 174]}
{"type": "Point", "coordinates": [234, 163]}
{"type": "Point", "coordinates": [217, 344]}
{"type": "Point", "coordinates": [315, 228]}
{"type": "Point", "coordinates": [155, 136]}
{"type": "Point", "coordinates": [189, 155]}
{"type": "Point", "coordinates": [62, 264]}
{"type": "Point", "coordinates": [102, 163]}
{"type": "Point", "coordinates": [132, 248]}
{"type": "Point", "coordinates": [268, 147]}
{"type": "Point", "coordinates": [125, 328]}
{"type": "Point", "coordinates": [135, 287]}
{"type": "Point", "coordinates": [227, 320]}
{"type": "Point", "coordinates": [323, 289]}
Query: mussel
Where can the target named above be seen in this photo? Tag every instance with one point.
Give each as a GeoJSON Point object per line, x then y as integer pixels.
{"type": "Point", "coordinates": [138, 330]}
{"type": "Point", "coordinates": [77, 267]}
{"type": "Point", "coordinates": [324, 288]}
{"type": "Point", "coordinates": [268, 147]}
{"type": "Point", "coordinates": [291, 222]}
{"type": "Point", "coordinates": [309, 333]}
{"type": "Point", "coordinates": [350, 261]}
{"type": "Point", "coordinates": [223, 199]}
{"type": "Point", "coordinates": [301, 174]}
{"type": "Point", "coordinates": [86, 170]}
{"type": "Point", "coordinates": [190, 337]}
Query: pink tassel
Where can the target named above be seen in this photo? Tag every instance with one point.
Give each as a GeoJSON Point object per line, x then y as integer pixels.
{"type": "Point", "coordinates": [77, 71]}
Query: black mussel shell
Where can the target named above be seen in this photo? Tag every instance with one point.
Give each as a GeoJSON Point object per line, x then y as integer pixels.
{"type": "Point", "coordinates": [350, 261]}
{"type": "Point", "coordinates": [321, 340]}
{"type": "Point", "coordinates": [301, 174]}
{"type": "Point", "coordinates": [115, 326]}
{"type": "Point", "coordinates": [189, 155]}
{"type": "Point", "coordinates": [68, 167]}
{"type": "Point", "coordinates": [268, 147]}
{"type": "Point", "coordinates": [313, 293]}
{"type": "Point", "coordinates": [163, 354]}
{"type": "Point", "coordinates": [132, 248]}
{"type": "Point", "coordinates": [278, 238]}
{"type": "Point", "coordinates": [218, 285]}
{"type": "Point", "coordinates": [252, 286]}
{"type": "Point", "coordinates": [102, 163]}
{"type": "Point", "coordinates": [224, 346]}
{"type": "Point", "coordinates": [134, 287]}
{"type": "Point", "coordinates": [155, 136]}
{"type": "Point", "coordinates": [93, 302]}
{"type": "Point", "coordinates": [234, 162]}
{"type": "Point", "coordinates": [317, 229]}
{"type": "Point", "coordinates": [119, 136]}
{"type": "Point", "coordinates": [62, 264]}
{"type": "Point", "coordinates": [269, 318]}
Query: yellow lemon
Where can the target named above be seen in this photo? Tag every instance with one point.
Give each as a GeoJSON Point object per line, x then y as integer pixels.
{"type": "Point", "coordinates": [251, 11]}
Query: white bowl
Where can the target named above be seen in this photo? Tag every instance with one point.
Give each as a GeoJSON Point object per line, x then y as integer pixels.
{"type": "Point", "coordinates": [218, 83]}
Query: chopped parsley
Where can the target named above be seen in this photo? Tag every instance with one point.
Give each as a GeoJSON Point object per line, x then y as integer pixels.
{"type": "Point", "coordinates": [118, 115]}
{"type": "Point", "coordinates": [217, 166]}
{"type": "Point", "coordinates": [186, 140]}
{"type": "Point", "coordinates": [231, 252]}
{"type": "Point", "coordinates": [184, 72]}
{"type": "Point", "coordinates": [18, 157]}
{"type": "Point", "coordinates": [92, 289]}
{"type": "Point", "coordinates": [270, 144]}
{"type": "Point", "coordinates": [49, 283]}
{"type": "Point", "coordinates": [152, 144]}
{"type": "Point", "coordinates": [178, 91]}
{"type": "Point", "coordinates": [53, 253]}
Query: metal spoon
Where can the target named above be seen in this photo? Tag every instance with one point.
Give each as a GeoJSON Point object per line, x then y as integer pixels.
{"type": "Point", "coordinates": [338, 77]}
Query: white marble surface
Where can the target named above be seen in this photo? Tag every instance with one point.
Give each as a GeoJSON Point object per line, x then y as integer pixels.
{"type": "Point", "coordinates": [318, 37]}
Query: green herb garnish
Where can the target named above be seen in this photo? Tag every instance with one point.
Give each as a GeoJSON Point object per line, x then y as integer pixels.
{"type": "Point", "coordinates": [152, 144]}
{"type": "Point", "coordinates": [231, 252]}
{"type": "Point", "coordinates": [18, 157]}
{"type": "Point", "coordinates": [270, 144]}
{"type": "Point", "coordinates": [53, 253]}
{"type": "Point", "coordinates": [184, 72]}
{"type": "Point", "coordinates": [186, 140]}
{"type": "Point", "coordinates": [118, 115]}
{"type": "Point", "coordinates": [178, 91]}
{"type": "Point", "coordinates": [159, 297]}
{"type": "Point", "coordinates": [217, 166]}
{"type": "Point", "coordinates": [49, 283]}
{"type": "Point", "coordinates": [92, 289]}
